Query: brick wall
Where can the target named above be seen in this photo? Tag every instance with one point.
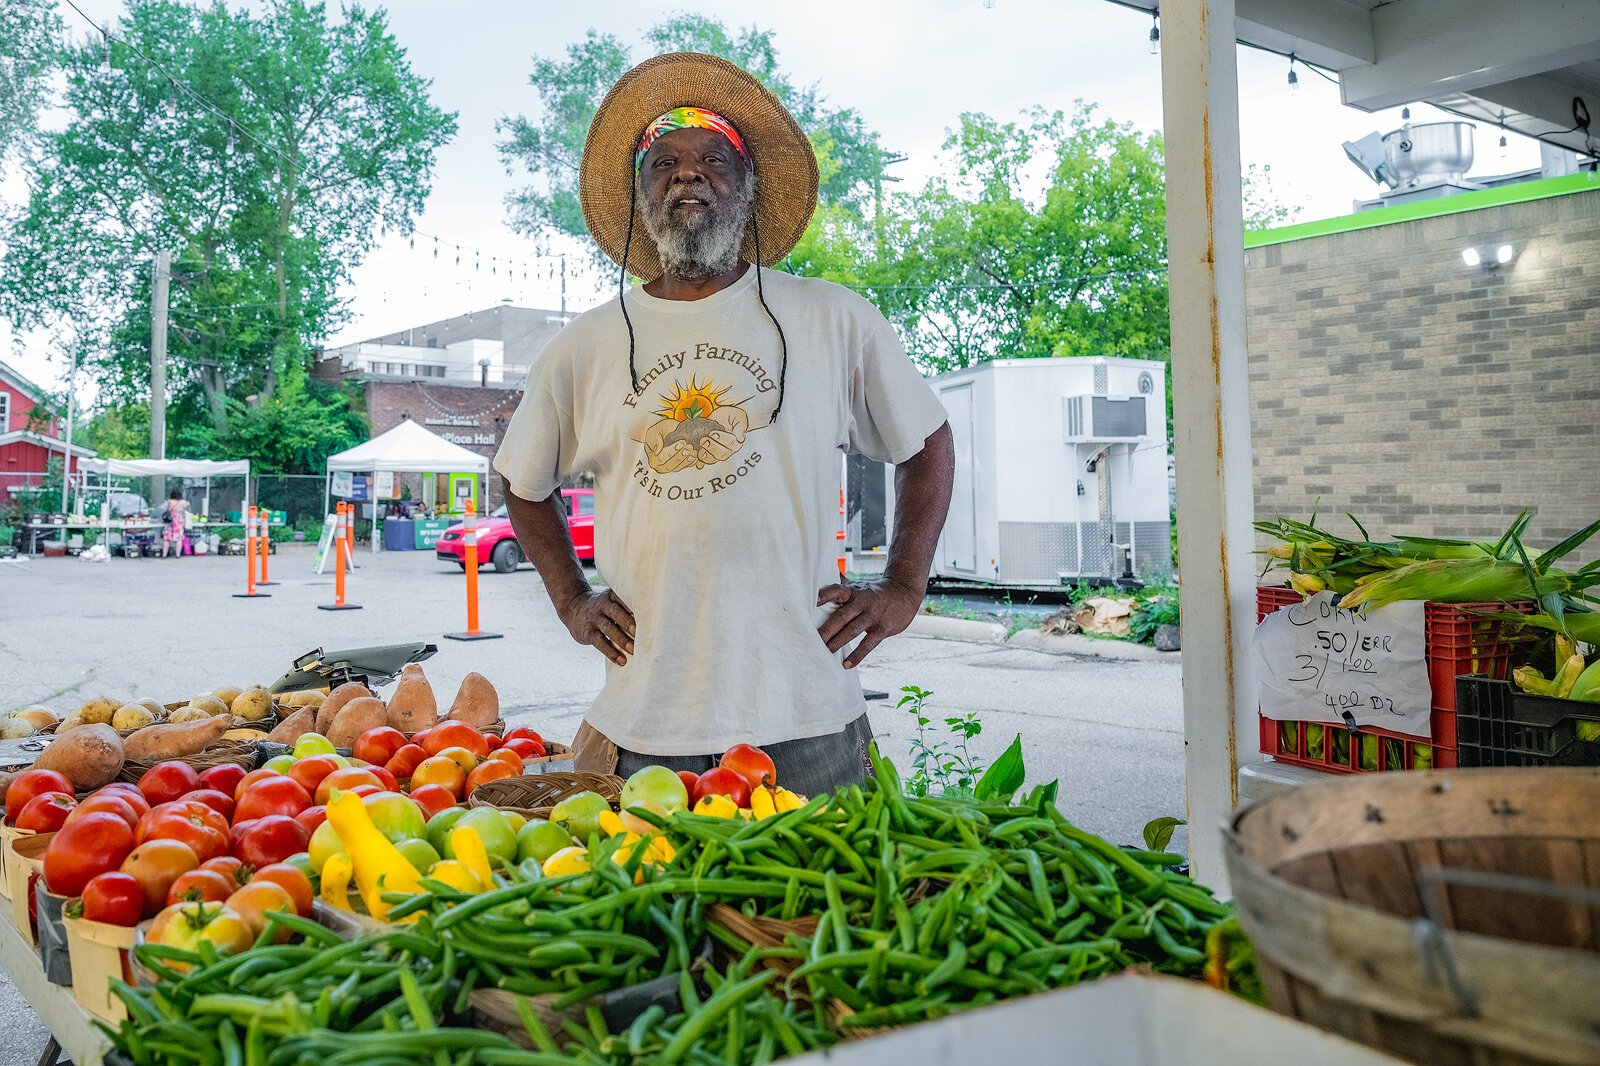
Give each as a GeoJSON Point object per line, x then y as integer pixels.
{"type": "Point", "coordinates": [388, 402]}
{"type": "Point", "coordinates": [1424, 396]}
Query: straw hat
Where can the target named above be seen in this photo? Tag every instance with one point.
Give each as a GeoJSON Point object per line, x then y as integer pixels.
{"type": "Point", "coordinates": [786, 169]}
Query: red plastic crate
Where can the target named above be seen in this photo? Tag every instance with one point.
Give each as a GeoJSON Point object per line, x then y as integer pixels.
{"type": "Point", "coordinates": [1458, 642]}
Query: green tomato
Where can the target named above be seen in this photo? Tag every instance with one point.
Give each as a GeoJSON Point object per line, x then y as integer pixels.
{"type": "Point", "coordinates": [418, 853]}
{"type": "Point", "coordinates": [439, 826]}
{"type": "Point", "coordinates": [515, 820]}
{"type": "Point", "coordinates": [344, 763]}
{"type": "Point", "coordinates": [281, 763]}
{"type": "Point", "coordinates": [539, 839]}
{"type": "Point", "coordinates": [325, 844]}
{"type": "Point", "coordinates": [312, 744]}
{"type": "Point", "coordinates": [580, 814]}
{"type": "Point", "coordinates": [498, 839]}
{"type": "Point", "coordinates": [396, 816]}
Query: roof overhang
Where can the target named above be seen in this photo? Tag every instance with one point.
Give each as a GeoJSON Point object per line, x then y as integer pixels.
{"type": "Point", "coordinates": [1518, 65]}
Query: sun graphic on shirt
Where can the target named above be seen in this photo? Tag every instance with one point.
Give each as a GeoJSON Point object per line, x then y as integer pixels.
{"type": "Point", "coordinates": [696, 401]}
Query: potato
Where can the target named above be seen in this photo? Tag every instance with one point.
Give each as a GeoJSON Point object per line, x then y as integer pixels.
{"type": "Point", "coordinates": [355, 718]}
{"type": "Point", "coordinates": [310, 698]}
{"type": "Point", "coordinates": [253, 704]}
{"type": "Point", "coordinates": [228, 693]}
{"type": "Point", "coordinates": [16, 728]}
{"type": "Point", "coordinates": [90, 756]}
{"type": "Point", "coordinates": [293, 727]}
{"type": "Point", "coordinates": [70, 722]}
{"type": "Point", "coordinates": [210, 704]}
{"type": "Point", "coordinates": [99, 710]}
{"type": "Point", "coordinates": [157, 708]}
{"type": "Point", "coordinates": [174, 740]}
{"type": "Point", "coordinates": [39, 717]}
{"type": "Point", "coordinates": [188, 714]}
{"type": "Point", "coordinates": [337, 699]}
{"type": "Point", "coordinates": [413, 708]}
{"type": "Point", "coordinates": [476, 702]}
{"type": "Point", "coordinates": [132, 716]}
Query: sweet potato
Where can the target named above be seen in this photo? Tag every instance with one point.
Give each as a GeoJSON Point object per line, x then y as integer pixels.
{"type": "Point", "coordinates": [355, 718]}
{"type": "Point", "coordinates": [158, 743]}
{"type": "Point", "coordinates": [413, 708]}
{"type": "Point", "coordinates": [340, 696]}
{"type": "Point", "coordinates": [291, 728]}
{"type": "Point", "coordinates": [476, 703]}
{"type": "Point", "coordinates": [89, 756]}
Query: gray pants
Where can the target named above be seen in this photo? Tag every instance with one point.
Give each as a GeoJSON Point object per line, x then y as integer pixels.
{"type": "Point", "coordinates": [809, 767]}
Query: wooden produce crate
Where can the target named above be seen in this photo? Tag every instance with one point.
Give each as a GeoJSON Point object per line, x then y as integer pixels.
{"type": "Point", "coordinates": [99, 952]}
{"type": "Point", "coordinates": [24, 859]}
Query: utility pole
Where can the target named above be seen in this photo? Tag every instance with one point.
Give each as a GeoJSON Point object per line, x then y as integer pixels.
{"type": "Point", "coordinates": [885, 159]}
{"type": "Point", "coordinates": [563, 286]}
{"type": "Point", "coordinates": [66, 460]}
{"type": "Point", "coordinates": [161, 277]}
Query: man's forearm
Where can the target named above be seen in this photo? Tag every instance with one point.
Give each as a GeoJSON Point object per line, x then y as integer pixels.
{"type": "Point", "coordinates": [541, 529]}
{"type": "Point", "coordinates": [922, 487]}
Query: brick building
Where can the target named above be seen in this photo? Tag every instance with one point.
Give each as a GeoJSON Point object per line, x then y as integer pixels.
{"type": "Point", "coordinates": [1392, 380]}
{"type": "Point", "coordinates": [472, 416]}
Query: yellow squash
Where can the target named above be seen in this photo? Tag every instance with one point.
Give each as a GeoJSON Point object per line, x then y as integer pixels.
{"type": "Point", "coordinates": [379, 866]}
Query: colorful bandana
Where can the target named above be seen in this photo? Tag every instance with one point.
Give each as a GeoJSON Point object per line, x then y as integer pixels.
{"type": "Point", "coordinates": [682, 118]}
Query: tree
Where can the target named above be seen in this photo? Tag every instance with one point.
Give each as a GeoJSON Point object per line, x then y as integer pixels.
{"type": "Point", "coordinates": [571, 87]}
{"type": "Point", "coordinates": [265, 150]}
{"type": "Point", "coordinates": [29, 30]}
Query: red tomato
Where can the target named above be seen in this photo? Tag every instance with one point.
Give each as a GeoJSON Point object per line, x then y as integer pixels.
{"type": "Point", "coordinates": [45, 813]}
{"type": "Point", "coordinates": [385, 778]}
{"type": "Point", "coordinates": [309, 772]}
{"type": "Point", "coordinates": [103, 802]}
{"type": "Point", "coordinates": [433, 798]}
{"type": "Point", "coordinates": [345, 779]}
{"type": "Point", "coordinates": [92, 844]}
{"type": "Point", "coordinates": [224, 778]}
{"type": "Point", "coordinates": [228, 867]}
{"type": "Point", "coordinates": [272, 795]}
{"type": "Point", "coordinates": [506, 755]}
{"type": "Point", "coordinates": [270, 839]}
{"type": "Point", "coordinates": [206, 886]}
{"type": "Point", "coordinates": [494, 740]}
{"type": "Point", "coordinates": [688, 777]}
{"type": "Point", "coordinates": [255, 901]}
{"type": "Point", "coordinates": [167, 781]}
{"type": "Point", "coordinates": [312, 817]}
{"type": "Point", "coordinates": [456, 735]}
{"type": "Point", "coordinates": [31, 783]}
{"type": "Point", "coordinates": [365, 789]}
{"type": "Point", "coordinates": [419, 738]}
{"type": "Point", "coordinates": [251, 778]}
{"type": "Point", "coordinates": [195, 824]}
{"type": "Point", "coordinates": [522, 732]}
{"type": "Point", "coordinates": [156, 864]}
{"type": "Point", "coordinates": [292, 880]}
{"type": "Point", "coordinates": [405, 761]}
{"type": "Point", "coordinates": [721, 781]}
{"type": "Point", "coordinates": [377, 746]}
{"type": "Point", "coordinates": [750, 763]}
{"type": "Point", "coordinates": [525, 748]}
{"type": "Point", "coordinates": [115, 898]}
{"type": "Point", "coordinates": [490, 770]}
{"type": "Point", "coordinates": [221, 802]}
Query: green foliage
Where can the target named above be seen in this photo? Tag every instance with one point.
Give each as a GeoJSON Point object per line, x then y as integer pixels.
{"type": "Point", "coordinates": [571, 86]}
{"type": "Point", "coordinates": [295, 431]}
{"type": "Point", "coordinates": [940, 766]}
{"type": "Point", "coordinates": [1158, 832]}
{"type": "Point", "coordinates": [29, 30]}
{"type": "Point", "coordinates": [1153, 607]}
{"type": "Point", "coordinates": [264, 226]}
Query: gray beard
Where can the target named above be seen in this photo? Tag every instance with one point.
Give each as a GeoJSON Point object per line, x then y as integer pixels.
{"type": "Point", "coordinates": [700, 247]}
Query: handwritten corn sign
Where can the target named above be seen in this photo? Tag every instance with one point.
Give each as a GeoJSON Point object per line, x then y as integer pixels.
{"type": "Point", "coordinates": [1319, 663]}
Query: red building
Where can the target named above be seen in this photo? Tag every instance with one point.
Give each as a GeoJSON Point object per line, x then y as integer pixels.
{"type": "Point", "coordinates": [30, 435]}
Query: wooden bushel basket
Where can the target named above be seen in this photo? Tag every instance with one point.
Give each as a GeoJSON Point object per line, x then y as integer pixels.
{"type": "Point", "coordinates": [1450, 918]}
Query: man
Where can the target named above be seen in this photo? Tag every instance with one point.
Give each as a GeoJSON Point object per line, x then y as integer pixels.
{"type": "Point", "coordinates": [712, 405]}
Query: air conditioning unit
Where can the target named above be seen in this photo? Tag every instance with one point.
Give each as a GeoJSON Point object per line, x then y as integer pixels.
{"type": "Point", "coordinates": [1105, 419]}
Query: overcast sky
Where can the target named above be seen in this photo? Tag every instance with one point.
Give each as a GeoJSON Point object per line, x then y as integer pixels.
{"type": "Point", "coordinates": [910, 67]}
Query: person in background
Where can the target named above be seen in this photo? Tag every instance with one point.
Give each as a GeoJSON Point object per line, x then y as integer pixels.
{"type": "Point", "coordinates": [172, 522]}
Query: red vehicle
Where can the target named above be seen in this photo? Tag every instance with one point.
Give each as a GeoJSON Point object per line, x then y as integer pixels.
{"type": "Point", "coordinates": [497, 544]}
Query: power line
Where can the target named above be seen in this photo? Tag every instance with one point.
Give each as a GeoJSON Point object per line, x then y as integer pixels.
{"type": "Point", "coordinates": [1056, 283]}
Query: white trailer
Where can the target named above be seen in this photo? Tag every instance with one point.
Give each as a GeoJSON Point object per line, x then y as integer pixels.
{"type": "Point", "coordinates": [1061, 472]}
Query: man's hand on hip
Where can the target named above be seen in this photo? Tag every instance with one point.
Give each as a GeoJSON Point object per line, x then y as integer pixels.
{"type": "Point", "coordinates": [872, 610]}
{"type": "Point", "coordinates": [602, 620]}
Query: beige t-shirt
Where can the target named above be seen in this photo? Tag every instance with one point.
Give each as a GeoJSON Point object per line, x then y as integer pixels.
{"type": "Point", "coordinates": [714, 523]}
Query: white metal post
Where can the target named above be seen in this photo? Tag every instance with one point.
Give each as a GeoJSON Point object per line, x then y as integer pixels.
{"type": "Point", "coordinates": [1211, 412]}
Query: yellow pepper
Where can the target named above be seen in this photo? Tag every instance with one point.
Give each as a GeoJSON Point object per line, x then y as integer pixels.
{"type": "Point", "coordinates": [762, 803]}
{"type": "Point", "coordinates": [336, 874]}
{"type": "Point", "coordinates": [717, 806]}
{"type": "Point", "coordinates": [469, 849]}
{"type": "Point", "coordinates": [456, 873]}
{"type": "Point", "coordinates": [572, 860]}
{"type": "Point", "coordinates": [784, 800]}
{"type": "Point", "coordinates": [611, 823]}
{"type": "Point", "coordinates": [379, 866]}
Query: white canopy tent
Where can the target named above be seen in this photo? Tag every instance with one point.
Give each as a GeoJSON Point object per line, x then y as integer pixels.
{"type": "Point", "coordinates": [408, 448]}
{"type": "Point", "coordinates": [185, 468]}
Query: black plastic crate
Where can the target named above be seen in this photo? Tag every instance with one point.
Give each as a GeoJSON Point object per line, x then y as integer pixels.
{"type": "Point", "coordinates": [1498, 725]}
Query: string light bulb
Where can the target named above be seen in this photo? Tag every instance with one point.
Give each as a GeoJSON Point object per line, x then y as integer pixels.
{"type": "Point", "coordinates": [1294, 79]}
{"type": "Point", "coordinates": [105, 49]}
{"type": "Point", "coordinates": [1405, 114]}
{"type": "Point", "coordinates": [1155, 31]}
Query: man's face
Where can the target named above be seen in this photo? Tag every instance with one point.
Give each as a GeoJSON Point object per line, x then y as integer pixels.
{"type": "Point", "coordinates": [696, 197]}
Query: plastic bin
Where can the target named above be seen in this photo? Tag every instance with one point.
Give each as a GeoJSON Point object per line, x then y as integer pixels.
{"type": "Point", "coordinates": [1458, 641]}
{"type": "Point", "coordinates": [1497, 725]}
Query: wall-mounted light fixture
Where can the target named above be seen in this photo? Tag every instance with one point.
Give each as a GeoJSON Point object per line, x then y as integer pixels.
{"type": "Point", "coordinates": [1489, 258]}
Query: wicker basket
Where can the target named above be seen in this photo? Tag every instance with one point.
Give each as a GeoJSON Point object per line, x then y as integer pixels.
{"type": "Point", "coordinates": [242, 752]}
{"type": "Point", "coordinates": [534, 795]}
{"type": "Point", "coordinates": [495, 1009]}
